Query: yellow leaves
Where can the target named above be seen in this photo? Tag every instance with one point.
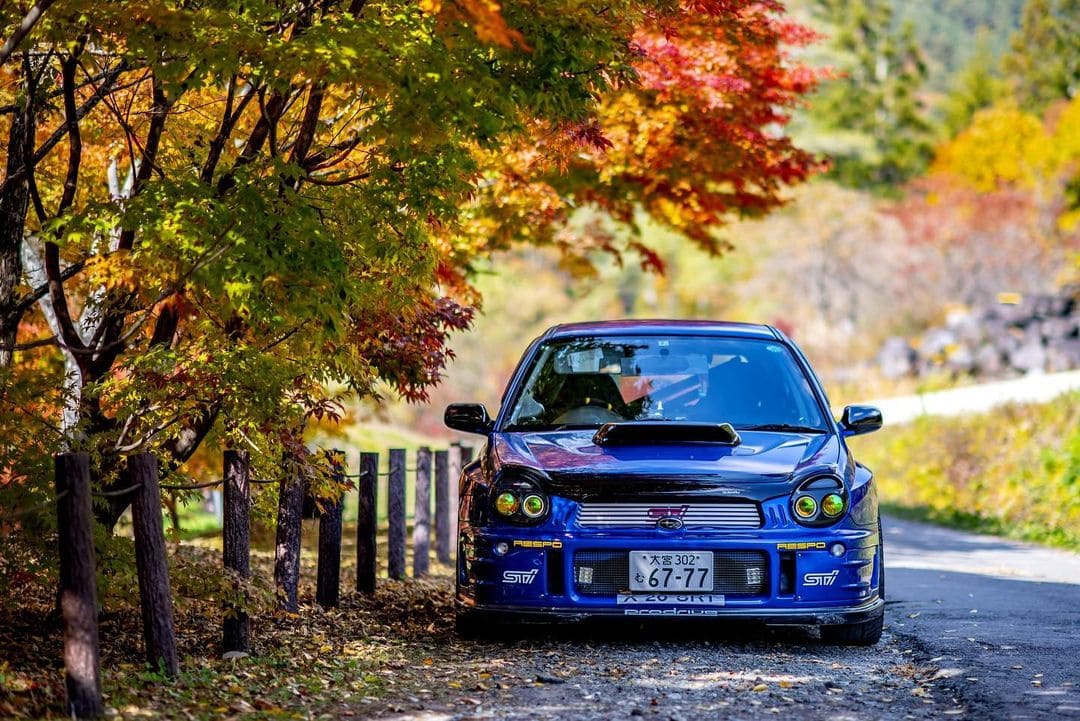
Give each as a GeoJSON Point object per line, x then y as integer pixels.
{"type": "Point", "coordinates": [1002, 146]}
{"type": "Point", "coordinates": [113, 271]}
{"type": "Point", "coordinates": [1005, 146]}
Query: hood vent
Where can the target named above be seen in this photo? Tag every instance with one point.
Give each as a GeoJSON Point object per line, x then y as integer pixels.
{"type": "Point", "coordinates": [651, 432]}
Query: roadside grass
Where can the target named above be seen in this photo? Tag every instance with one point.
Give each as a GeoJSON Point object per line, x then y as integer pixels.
{"type": "Point", "coordinates": [1013, 472]}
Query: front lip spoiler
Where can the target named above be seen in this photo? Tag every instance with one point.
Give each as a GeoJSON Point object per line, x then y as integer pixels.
{"type": "Point", "coordinates": [778, 616]}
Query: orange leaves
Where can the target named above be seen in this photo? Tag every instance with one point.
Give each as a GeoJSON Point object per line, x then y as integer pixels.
{"type": "Point", "coordinates": [483, 16]}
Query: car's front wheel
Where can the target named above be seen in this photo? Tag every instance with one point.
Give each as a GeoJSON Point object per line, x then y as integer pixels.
{"type": "Point", "coordinates": [864, 633]}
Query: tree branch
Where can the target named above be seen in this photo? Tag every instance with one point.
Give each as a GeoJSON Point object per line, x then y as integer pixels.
{"type": "Point", "coordinates": [104, 89]}
{"type": "Point", "coordinates": [27, 24]}
{"type": "Point", "coordinates": [71, 115]}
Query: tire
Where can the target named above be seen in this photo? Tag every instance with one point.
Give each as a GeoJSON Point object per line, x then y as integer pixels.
{"type": "Point", "coordinates": [881, 560]}
{"type": "Point", "coordinates": [865, 633]}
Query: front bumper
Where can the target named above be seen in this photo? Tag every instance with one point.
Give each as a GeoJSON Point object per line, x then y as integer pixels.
{"type": "Point", "coordinates": [538, 576]}
{"type": "Point", "coordinates": [773, 617]}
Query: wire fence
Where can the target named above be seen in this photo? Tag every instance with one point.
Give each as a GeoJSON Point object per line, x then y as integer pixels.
{"type": "Point", "coordinates": [117, 493]}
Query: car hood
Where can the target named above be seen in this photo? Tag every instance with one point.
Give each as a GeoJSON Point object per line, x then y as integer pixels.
{"type": "Point", "coordinates": [763, 465]}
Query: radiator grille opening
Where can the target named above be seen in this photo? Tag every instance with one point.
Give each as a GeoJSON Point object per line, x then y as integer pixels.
{"type": "Point", "coordinates": [787, 573]}
{"type": "Point", "coordinates": [735, 573]}
{"type": "Point", "coordinates": [556, 584]}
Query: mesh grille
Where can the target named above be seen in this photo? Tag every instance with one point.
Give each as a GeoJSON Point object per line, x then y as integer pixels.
{"type": "Point", "coordinates": [735, 573]}
{"type": "Point", "coordinates": [721, 514]}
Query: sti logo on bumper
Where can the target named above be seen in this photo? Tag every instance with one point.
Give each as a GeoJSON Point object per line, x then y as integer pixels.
{"type": "Point", "coordinates": [520, 577]}
{"type": "Point", "coordinates": [820, 579]}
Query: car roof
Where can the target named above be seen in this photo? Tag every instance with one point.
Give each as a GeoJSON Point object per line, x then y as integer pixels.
{"type": "Point", "coordinates": [658, 326]}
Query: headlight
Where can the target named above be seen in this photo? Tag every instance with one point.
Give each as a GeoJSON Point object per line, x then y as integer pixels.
{"type": "Point", "coordinates": [518, 496]}
{"type": "Point", "coordinates": [533, 506]}
{"type": "Point", "coordinates": [819, 501]}
{"type": "Point", "coordinates": [506, 503]}
{"type": "Point", "coordinates": [805, 506]}
{"type": "Point", "coordinates": [832, 505]}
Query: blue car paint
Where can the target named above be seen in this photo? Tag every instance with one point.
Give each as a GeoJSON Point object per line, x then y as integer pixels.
{"type": "Point", "coordinates": [766, 467]}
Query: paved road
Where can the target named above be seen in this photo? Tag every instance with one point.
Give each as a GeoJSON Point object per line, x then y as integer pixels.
{"type": "Point", "coordinates": [1000, 620]}
{"type": "Point", "coordinates": [1032, 388]}
{"type": "Point", "coordinates": [977, 628]}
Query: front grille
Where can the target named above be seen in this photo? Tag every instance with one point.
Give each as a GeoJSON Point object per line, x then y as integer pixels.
{"type": "Point", "coordinates": [722, 514]}
{"type": "Point", "coordinates": [735, 573]}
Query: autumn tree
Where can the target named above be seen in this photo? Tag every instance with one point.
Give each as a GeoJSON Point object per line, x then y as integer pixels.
{"type": "Point", "coordinates": [1044, 61]}
{"type": "Point", "coordinates": [222, 217]}
{"type": "Point", "coordinates": [881, 132]}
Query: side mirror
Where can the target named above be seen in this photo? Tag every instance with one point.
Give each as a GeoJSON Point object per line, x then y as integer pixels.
{"type": "Point", "coordinates": [857, 420]}
{"type": "Point", "coordinates": [467, 417]}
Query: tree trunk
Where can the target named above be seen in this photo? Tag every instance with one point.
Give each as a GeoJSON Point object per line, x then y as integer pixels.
{"type": "Point", "coordinates": [236, 545]}
{"type": "Point", "coordinates": [78, 586]}
{"type": "Point", "coordinates": [13, 205]}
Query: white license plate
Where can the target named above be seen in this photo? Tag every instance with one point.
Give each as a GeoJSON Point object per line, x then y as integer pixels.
{"type": "Point", "coordinates": [673, 599]}
{"type": "Point", "coordinates": [671, 571]}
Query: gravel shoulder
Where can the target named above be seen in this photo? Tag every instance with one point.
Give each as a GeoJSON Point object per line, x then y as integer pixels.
{"type": "Point", "coordinates": [669, 672]}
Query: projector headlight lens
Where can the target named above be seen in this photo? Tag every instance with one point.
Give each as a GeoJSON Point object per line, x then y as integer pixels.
{"type": "Point", "coordinates": [832, 505]}
{"type": "Point", "coordinates": [506, 504]}
{"type": "Point", "coordinates": [805, 506]}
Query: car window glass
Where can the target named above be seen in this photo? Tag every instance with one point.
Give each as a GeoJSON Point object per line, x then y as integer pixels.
{"type": "Point", "coordinates": [585, 382]}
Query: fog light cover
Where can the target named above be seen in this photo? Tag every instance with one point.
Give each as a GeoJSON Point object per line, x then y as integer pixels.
{"type": "Point", "coordinates": [837, 549]}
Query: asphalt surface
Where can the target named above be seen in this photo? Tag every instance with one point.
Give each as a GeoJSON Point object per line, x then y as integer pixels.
{"type": "Point", "coordinates": [1000, 621]}
{"type": "Point", "coordinates": [976, 628]}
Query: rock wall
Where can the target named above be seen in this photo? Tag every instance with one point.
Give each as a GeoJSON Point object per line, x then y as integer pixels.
{"type": "Point", "coordinates": [1040, 332]}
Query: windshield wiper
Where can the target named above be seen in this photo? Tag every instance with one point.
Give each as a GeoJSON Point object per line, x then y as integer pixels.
{"type": "Point", "coordinates": [783, 427]}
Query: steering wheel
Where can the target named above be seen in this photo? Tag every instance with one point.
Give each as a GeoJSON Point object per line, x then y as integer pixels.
{"type": "Point", "coordinates": [593, 411]}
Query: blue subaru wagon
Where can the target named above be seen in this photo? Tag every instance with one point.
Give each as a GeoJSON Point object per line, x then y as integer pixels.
{"type": "Point", "coordinates": [669, 469]}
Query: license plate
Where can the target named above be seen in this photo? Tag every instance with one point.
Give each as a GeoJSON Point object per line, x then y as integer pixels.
{"type": "Point", "coordinates": [673, 599]}
{"type": "Point", "coordinates": [671, 571]}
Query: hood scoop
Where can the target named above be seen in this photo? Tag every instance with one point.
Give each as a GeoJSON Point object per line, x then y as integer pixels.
{"type": "Point", "coordinates": [631, 433]}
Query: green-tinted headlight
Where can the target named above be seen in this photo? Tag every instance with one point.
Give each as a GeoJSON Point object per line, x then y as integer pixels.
{"type": "Point", "coordinates": [805, 506]}
{"type": "Point", "coordinates": [506, 503]}
{"type": "Point", "coordinates": [533, 506]}
{"type": "Point", "coordinates": [832, 505]}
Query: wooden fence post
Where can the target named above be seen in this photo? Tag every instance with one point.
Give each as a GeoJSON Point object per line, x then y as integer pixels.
{"type": "Point", "coordinates": [367, 519]}
{"type": "Point", "coordinates": [78, 586]}
{"type": "Point", "coordinates": [421, 537]}
{"type": "Point", "coordinates": [152, 566]}
{"type": "Point", "coordinates": [395, 507]}
{"type": "Point", "coordinates": [287, 542]}
{"type": "Point", "coordinates": [328, 575]}
{"type": "Point", "coordinates": [444, 523]}
{"type": "Point", "coordinates": [236, 545]}
{"type": "Point", "coordinates": [454, 470]}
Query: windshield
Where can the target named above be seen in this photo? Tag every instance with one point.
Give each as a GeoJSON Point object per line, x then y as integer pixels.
{"type": "Point", "coordinates": [586, 382]}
